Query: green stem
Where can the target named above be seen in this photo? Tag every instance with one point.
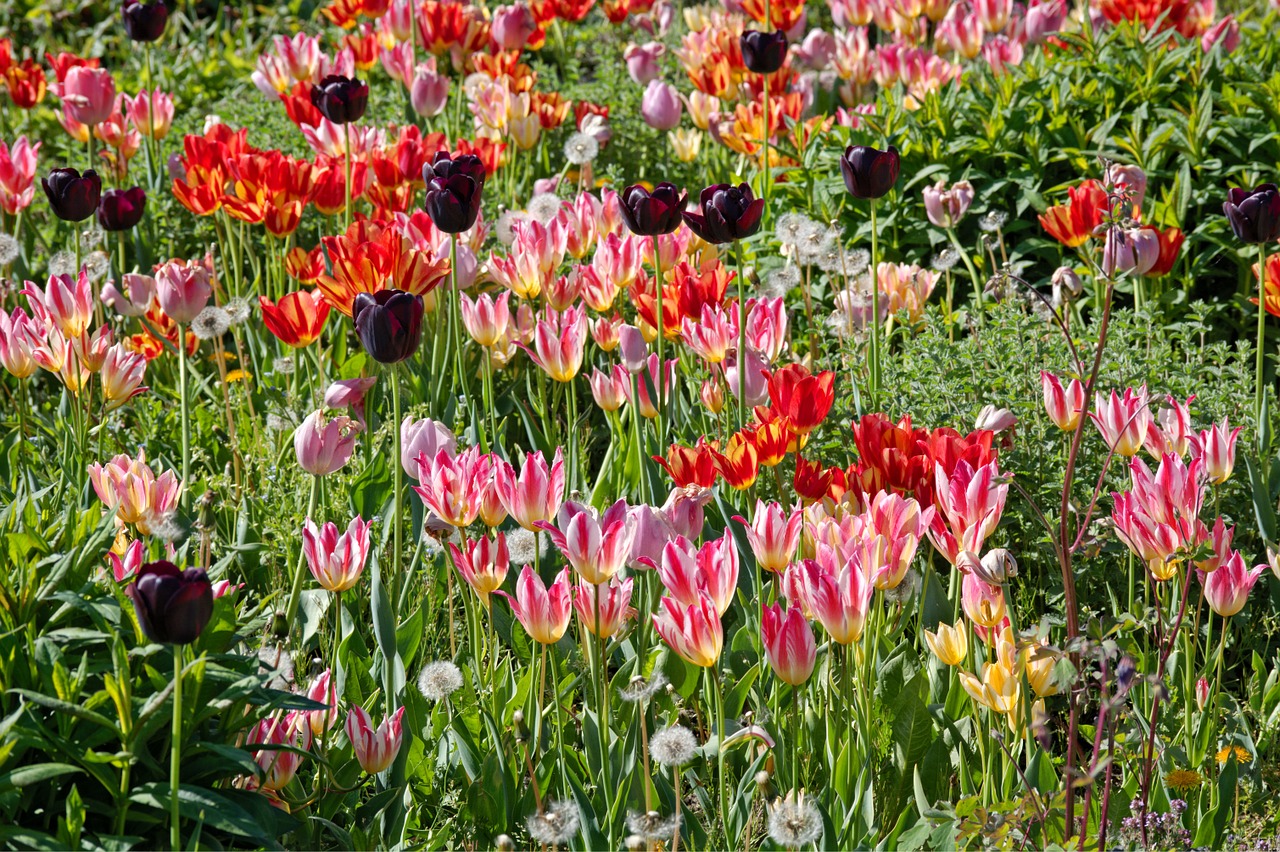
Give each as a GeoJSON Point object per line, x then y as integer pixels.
{"type": "Point", "coordinates": [346, 190]}
{"type": "Point", "coordinates": [398, 488]}
{"type": "Point", "coordinates": [720, 738]}
{"type": "Point", "coordinates": [1258, 392]}
{"type": "Point", "coordinates": [875, 314]}
{"type": "Point", "coordinates": [457, 341]}
{"type": "Point", "coordinates": [742, 338]}
{"type": "Point", "coordinates": [574, 461]}
{"type": "Point", "coordinates": [175, 751]}
{"type": "Point", "coordinates": [183, 406]}
{"type": "Point", "coordinates": [660, 325]}
{"type": "Point", "coordinates": [765, 172]}
{"type": "Point", "coordinates": [295, 592]}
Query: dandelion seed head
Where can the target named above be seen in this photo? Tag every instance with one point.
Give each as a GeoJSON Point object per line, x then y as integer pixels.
{"type": "Point", "coordinates": [642, 690]}
{"type": "Point", "coordinates": [210, 323]}
{"type": "Point", "coordinates": [556, 824]}
{"type": "Point", "coordinates": [857, 261]}
{"type": "Point", "coordinates": [505, 228]}
{"type": "Point", "coordinates": [166, 527]}
{"type": "Point", "coordinates": [791, 227]}
{"type": "Point", "coordinates": [283, 366]}
{"type": "Point", "coordinates": [811, 239]}
{"type": "Point", "coordinates": [97, 265]}
{"type": "Point", "coordinates": [92, 236]}
{"type": "Point", "coordinates": [237, 310]}
{"type": "Point", "coordinates": [832, 258]}
{"type": "Point", "coordinates": [522, 546]}
{"type": "Point", "coordinates": [652, 826]}
{"type": "Point", "coordinates": [62, 263]}
{"type": "Point", "coordinates": [544, 207]}
{"type": "Point", "coordinates": [673, 746]}
{"type": "Point", "coordinates": [581, 148]}
{"type": "Point", "coordinates": [993, 220]}
{"type": "Point", "coordinates": [780, 281]}
{"type": "Point", "coordinates": [439, 680]}
{"type": "Point", "coordinates": [945, 259]}
{"type": "Point", "coordinates": [8, 249]}
{"type": "Point", "coordinates": [794, 821]}
{"type": "Point", "coordinates": [906, 590]}
{"type": "Point", "coordinates": [276, 423]}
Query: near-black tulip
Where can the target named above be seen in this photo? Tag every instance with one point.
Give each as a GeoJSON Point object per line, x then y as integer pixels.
{"type": "Point", "coordinates": [763, 53]}
{"type": "Point", "coordinates": [454, 189]}
{"type": "Point", "coordinates": [1254, 216]}
{"type": "Point", "coordinates": [340, 99]}
{"type": "Point", "coordinates": [869, 172]}
{"type": "Point", "coordinates": [652, 213]}
{"type": "Point", "coordinates": [728, 213]}
{"type": "Point", "coordinates": [389, 323]}
{"type": "Point", "coordinates": [145, 21]}
{"type": "Point", "coordinates": [173, 606]}
{"type": "Point", "coordinates": [73, 196]}
{"type": "Point", "coordinates": [121, 209]}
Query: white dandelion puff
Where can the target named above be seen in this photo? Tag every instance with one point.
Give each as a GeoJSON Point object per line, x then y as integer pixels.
{"type": "Point", "coordinates": [653, 826]}
{"type": "Point", "coordinates": [62, 263]}
{"type": "Point", "coordinates": [283, 366]}
{"type": "Point", "coordinates": [556, 824]}
{"type": "Point", "coordinates": [210, 323]}
{"type": "Point", "coordinates": [993, 220]}
{"type": "Point", "coordinates": [791, 227]}
{"type": "Point", "coordinates": [8, 249]}
{"type": "Point", "coordinates": [439, 680]}
{"type": "Point", "coordinates": [780, 281]}
{"type": "Point", "coordinates": [238, 310]}
{"type": "Point", "coordinates": [673, 746]}
{"type": "Point", "coordinates": [97, 265]}
{"type": "Point", "coordinates": [505, 228]}
{"type": "Point", "coordinates": [92, 236]}
{"type": "Point", "coordinates": [581, 148]}
{"type": "Point", "coordinates": [544, 207]}
{"type": "Point", "coordinates": [794, 821]}
{"type": "Point", "coordinates": [945, 259]}
{"type": "Point", "coordinates": [522, 546]}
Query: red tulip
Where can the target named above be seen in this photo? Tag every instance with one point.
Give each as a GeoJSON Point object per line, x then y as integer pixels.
{"type": "Point", "coordinates": [804, 399]}
{"type": "Point", "coordinates": [298, 319]}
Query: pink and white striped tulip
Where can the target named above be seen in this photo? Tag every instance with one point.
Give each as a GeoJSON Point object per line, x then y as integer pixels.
{"type": "Point", "coordinates": [1216, 445]}
{"type": "Point", "coordinates": [1063, 405]}
{"type": "Point", "coordinates": [603, 608]}
{"type": "Point", "coordinates": [543, 611]}
{"type": "Point", "coordinates": [451, 486]}
{"type": "Point", "coordinates": [336, 560]}
{"type": "Point", "coordinates": [486, 319]}
{"type": "Point", "coordinates": [1227, 589]}
{"type": "Point", "coordinates": [838, 596]}
{"type": "Point", "coordinates": [375, 748]}
{"type": "Point", "coordinates": [694, 632]}
{"type": "Point", "coordinates": [688, 572]}
{"type": "Point", "coordinates": [789, 645]}
{"type": "Point", "coordinates": [558, 343]}
{"type": "Point", "coordinates": [66, 303]}
{"type": "Point", "coordinates": [482, 563]}
{"type": "Point", "coordinates": [774, 535]}
{"type": "Point", "coordinates": [597, 547]}
{"type": "Point", "coordinates": [535, 494]}
{"type": "Point", "coordinates": [1123, 421]}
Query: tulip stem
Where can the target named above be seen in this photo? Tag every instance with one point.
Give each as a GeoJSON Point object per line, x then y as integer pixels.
{"type": "Point", "coordinates": [183, 409]}
{"type": "Point", "coordinates": [346, 188]}
{"type": "Point", "coordinates": [720, 738]}
{"type": "Point", "coordinates": [1258, 393]}
{"type": "Point", "coordinates": [456, 325]}
{"type": "Point", "coordinates": [742, 338]}
{"type": "Point", "coordinates": [175, 751]}
{"type": "Point", "coordinates": [874, 366]}
{"type": "Point", "coordinates": [660, 324]}
{"type": "Point", "coordinates": [295, 593]}
{"type": "Point", "coordinates": [398, 492]}
{"type": "Point", "coordinates": [765, 171]}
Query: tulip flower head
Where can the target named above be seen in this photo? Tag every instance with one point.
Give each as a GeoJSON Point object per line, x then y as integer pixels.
{"type": "Point", "coordinates": [804, 399]}
{"type": "Point", "coordinates": [172, 606]}
{"type": "Point", "coordinates": [946, 207]}
{"type": "Point", "coordinates": [336, 560]}
{"type": "Point", "coordinates": [950, 644]}
{"type": "Point", "coordinates": [774, 535]}
{"type": "Point", "coordinates": [454, 190]}
{"type": "Point", "coordinates": [603, 608]}
{"type": "Point", "coordinates": [694, 632]}
{"type": "Point", "coordinates": [1227, 589]}
{"type": "Point", "coordinates": [652, 213]}
{"type": "Point", "coordinates": [121, 209]}
{"type": "Point", "coordinates": [389, 323]}
{"type": "Point", "coordinates": [483, 564]}
{"type": "Point", "coordinates": [375, 748]}
{"type": "Point", "coordinates": [982, 602]}
{"type": "Point", "coordinates": [839, 595]}
{"type": "Point", "coordinates": [1063, 405]}
{"type": "Point", "coordinates": [1217, 446]}
{"type": "Point", "coordinates": [298, 319]}
{"type": "Point", "coordinates": [144, 22]}
{"type": "Point", "coordinates": [595, 546]}
{"type": "Point", "coordinates": [763, 53]}
{"type": "Point", "coordinates": [1254, 214]}
{"type": "Point", "coordinates": [324, 447]}
{"type": "Point", "coordinates": [1123, 421]}
{"type": "Point", "coordinates": [183, 289]}
{"type": "Point", "coordinates": [340, 99]}
{"type": "Point", "coordinates": [726, 213]}
{"type": "Point", "coordinates": [869, 172]}
{"type": "Point", "coordinates": [74, 197]}
{"type": "Point", "coordinates": [543, 611]}
{"type": "Point", "coordinates": [788, 642]}
{"type": "Point", "coordinates": [279, 765]}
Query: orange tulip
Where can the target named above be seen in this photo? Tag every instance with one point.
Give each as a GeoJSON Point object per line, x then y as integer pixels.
{"type": "Point", "coordinates": [804, 399]}
{"type": "Point", "coordinates": [371, 257]}
{"type": "Point", "coordinates": [739, 464]}
{"type": "Point", "coordinates": [26, 83]}
{"type": "Point", "coordinates": [298, 319]}
{"type": "Point", "coordinates": [1072, 223]}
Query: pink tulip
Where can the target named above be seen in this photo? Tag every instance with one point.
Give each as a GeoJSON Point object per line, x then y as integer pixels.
{"type": "Point", "coordinates": [788, 644]}
{"type": "Point", "coordinates": [424, 437]}
{"type": "Point", "coordinates": [660, 106]}
{"type": "Point", "coordinates": [757, 387]}
{"type": "Point", "coordinates": [451, 485]}
{"type": "Point", "coordinates": [996, 420]}
{"type": "Point", "coordinates": [969, 504]}
{"type": "Point", "coordinates": [1000, 52]}
{"type": "Point", "coordinates": [634, 351]}
{"type": "Point", "coordinates": [688, 573]}
{"type": "Point", "coordinates": [1170, 430]}
{"type": "Point", "coordinates": [336, 560]}
{"type": "Point", "coordinates": [839, 596]}
{"type": "Point", "coordinates": [1130, 250]}
{"type": "Point", "coordinates": [1123, 421]}
{"type": "Point", "coordinates": [321, 690]}
{"type": "Point", "coordinates": [982, 601]}
{"type": "Point", "coordinates": [1064, 406]}
{"type": "Point", "coordinates": [536, 492]}
{"type": "Point", "coordinates": [121, 373]}
{"type": "Point", "coordinates": [17, 175]}
{"type": "Point", "coordinates": [961, 31]}
{"type": "Point", "coordinates": [653, 531]}
{"type": "Point", "coordinates": [482, 563]}
{"type": "Point", "coordinates": [397, 61]}
{"type": "Point", "coordinates": [486, 319]}
{"type": "Point", "coordinates": [896, 526]}
{"type": "Point", "coordinates": [713, 335]}
{"type": "Point", "coordinates": [398, 21]}
{"type": "Point", "coordinates": [134, 555]}
{"type": "Point", "coordinates": [279, 765]}
{"type": "Point", "coordinates": [946, 207]}
{"type": "Point", "coordinates": [130, 489]}
{"type": "Point", "coordinates": [558, 343]}
{"type": "Point", "coordinates": [642, 61]}
{"type": "Point", "coordinates": [350, 393]}
{"type": "Point", "coordinates": [605, 332]}
{"type": "Point", "coordinates": [602, 609]}
{"type": "Point", "coordinates": [301, 56]}
{"type": "Point", "coordinates": [774, 535]}
{"type": "Point", "coordinates": [596, 547]}
{"type": "Point", "coordinates": [767, 327]}
{"type": "Point", "coordinates": [183, 289]}
{"type": "Point", "coordinates": [993, 14]}
{"type": "Point", "coordinates": [429, 91]}
{"type": "Point", "coordinates": [1202, 693]}
{"type": "Point", "coordinates": [65, 302]}
{"type": "Point", "coordinates": [683, 510]}
{"type": "Point", "coordinates": [661, 384]}
{"type": "Point", "coordinates": [88, 93]}
{"type": "Point", "coordinates": [694, 632]}
{"type": "Point", "coordinates": [19, 337]}
{"type": "Point", "coordinates": [1224, 34]}
{"type": "Point", "coordinates": [1227, 589]}
{"type": "Point", "coordinates": [609, 390]}
{"type": "Point", "coordinates": [616, 264]}
{"type": "Point", "coordinates": [543, 611]}
{"type": "Point", "coordinates": [147, 121]}
{"type": "Point", "coordinates": [375, 749]}
{"type": "Point", "coordinates": [1216, 445]}
{"type": "Point", "coordinates": [321, 447]}
{"type": "Point", "coordinates": [139, 292]}
{"type": "Point", "coordinates": [1044, 19]}
{"type": "Point", "coordinates": [513, 26]}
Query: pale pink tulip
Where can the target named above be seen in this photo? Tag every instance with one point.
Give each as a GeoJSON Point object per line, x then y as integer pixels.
{"type": "Point", "coordinates": [336, 560]}
{"type": "Point", "coordinates": [425, 437]}
{"type": "Point", "coordinates": [324, 447]}
{"type": "Point", "coordinates": [375, 749]}
{"type": "Point", "coordinates": [88, 93]}
{"type": "Point", "coordinates": [183, 289]}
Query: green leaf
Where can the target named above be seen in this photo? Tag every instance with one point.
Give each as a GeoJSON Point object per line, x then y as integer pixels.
{"type": "Point", "coordinates": [34, 774]}
{"type": "Point", "coordinates": [199, 804]}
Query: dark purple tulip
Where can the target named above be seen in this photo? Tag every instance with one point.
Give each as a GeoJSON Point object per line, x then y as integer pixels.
{"type": "Point", "coordinates": [728, 213]}
{"type": "Point", "coordinates": [454, 189]}
{"type": "Point", "coordinates": [173, 606]}
{"type": "Point", "coordinates": [869, 172]}
{"type": "Point", "coordinates": [1254, 216]}
{"type": "Point", "coordinates": [121, 209]}
{"type": "Point", "coordinates": [389, 323]}
{"type": "Point", "coordinates": [763, 53]}
{"type": "Point", "coordinates": [340, 99]}
{"type": "Point", "coordinates": [145, 21]}
{"type": "Point", "coordinates": [73, 196]}
{"type": "Point", "coordinates": [652, 213]}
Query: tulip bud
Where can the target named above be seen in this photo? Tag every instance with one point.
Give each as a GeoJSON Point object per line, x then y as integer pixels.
{"type": "Point", "coordinates": [428, 92]}
{"type": "Point", "coordinates": [1254, 215]}
{"type": "Point", "coordinates": [454, 189]}
{"type": "Point", "coordinates": [1202, 693]}
{"type": "Point", "coordinates": [1066, 285]}
{"type": "Point", "coordinates": [145, 21]}
{"type": "Point", "coordinates": [763, 53]}
{"type": "Point", "coordinates": [74, 197]}
{"type": "Point", "coordinates": [183, 289]}
{"type": "Point", "coordinates": [121, 209]}
{"type": "Point", "coordinates": [375, 749]}
{"type": "Point", "coordinates": [660, 106]}
{"type": "Point", "coordinates": [340, 99]}
{"type": "Point", "coordinates": [1125, 673]}
{"type": "Point", "coordinates": [868, 172]}
{"type": "Point", "coordinates": [995, 419]}
{"type": "Point", "coordinates": [172, 606]}
{"type": "Point", "coordinates": [512, 26]}
{"type": "Point", "coordinates": [946, 207]}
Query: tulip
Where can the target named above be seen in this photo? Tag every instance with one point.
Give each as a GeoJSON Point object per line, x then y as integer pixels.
{"type": "Point", "coordinates": [1130, 250]}
{"type": "Point", "coordinates": [713, 335]}
{"type": "Point", "coordinates": [1131, 183]}
{"type": "Point", "coordinates": [969, 504]}
{"type": "Point", "coordinates": [122, 372]}
{"type": "Point", "coordinates": [688, 571]}
{"type": "Point", "coordinates": [660, 106]}
{"type": "Point", "coordinates": [279, 765]}
{"type": "Point", "coordinates": [1064, 406]}
{"type": "Point", "coordinates": [321, 447]}
{"type": "Point", "coordinates": [535, 494]}
{"type": "Point", "coordinates": [868, 172]}
{"type": "Point", "coordinates": [340, 99]}
{"type": "Point", "coordinates": [993, 14]}
{"type": "Point", "coordinates": [1072, 224]}
{"type": "Point", "coordinates": [642, 61]}
{"type": "Point", "coordinates": [773, 535]}
{"type": "Point", "coordinates": [1044, 19]}
{"type": "Point", "coordinates": [1227, 589]}
{"type": "Point", "coordinates": [513, 26]}
{"type": "Point", "coordinates": [389, 323]}
{"type": "Point", "coordinates": [1123, 421]}
{"type": "Point", "coordinates": [121, 209]}
{"type": "Point", "coordinates": [839, 598]}
{"type": "Point", "coordinates": [763, 53]}
{"type": "Point", "coordinates": [482, 563]}
{"type": "Point", "coordinates": [1254, 215]}
{"type": "Point", "coordinates": [130, 490]}
{"type": "Point", "coordinates": [1202, 693]}
{"type": "Point", "coordinates": [946, 207]}
{"type": "Point", "coordinates": [727, 213]}
{"type": "Point", "coordinates": [651, 214]}
{"type": "Point", "coordinates": [88, 94]}
{"type": "Point", "coordinates": [172, 606]}
{"type": "Point", "coordinates": [151, 112]}
{"type": "Point", "coordinates": [19, 337]}
{"type": "Point", "coordinates": [429, 91]}
{"type": "Point", "coordinates": [66, 303]}
{"type": "Point", "coordinates": [183, 290]}
{"type": "Point", "coordinates": [694, 632]}
{"type": "Point", "coordinates": [994, 419]}
{"type": "Point", "coordinates": [321, 690]}
{"type": "Point", "coordinates": [454, 189]}
{"type": "Point", "coordinates": [543, 611]}
{"type": "Point", "coordinates": [1225, 33]}
{"type": "Point", "coordinates": [789, 645]}
{"type": "Point", "coordinates": [609, 390]}
{"type": "Point", "coordinates": [375, 750]}
{"type": "Point", "coordinates": [596, 547]}
{"type": "Point", "coordinates": [950, 644]}
{"type": "Point", "coordinates": [982, 602]}
{"type": "Point", "coordinates": [660, 380]}
{"type": "Point", "coordinates": [634, 351]}
{"type": "Point", "coordinates": [73, 197]}
{"type": "Point", "coordinates": [424, 437]}
{"type": "Point", "coordinates": [602, 609]}
{"type": "Point", "coordinates": [297, 319]}
{"type": "Point", "coordinates": [558, 343]}
{"type": "Point", "coordinates": [336, 561]}
{"type": "Point", "coordinates": [755, 379]}
{"type": "Point", "coordinates": [145, 21]}
{"type": "Point", "coordinates": [452, 484]}
{"type": "Point", "coordinates": [1217, 446]}
{"type": "Point", "coordinates": [17, 174]}
{"type": "Point", "coordinates": [739, 462]}
{"type": "Point", "coordinates": [804, 399]}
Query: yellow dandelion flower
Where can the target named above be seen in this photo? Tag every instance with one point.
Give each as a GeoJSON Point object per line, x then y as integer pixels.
{"type": "Point", "coordinates": [1183, 779]}
{"type": "Point", "coordinates": [1242, 755]}
{"type": "Point", "coordinates": [238, 376]}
